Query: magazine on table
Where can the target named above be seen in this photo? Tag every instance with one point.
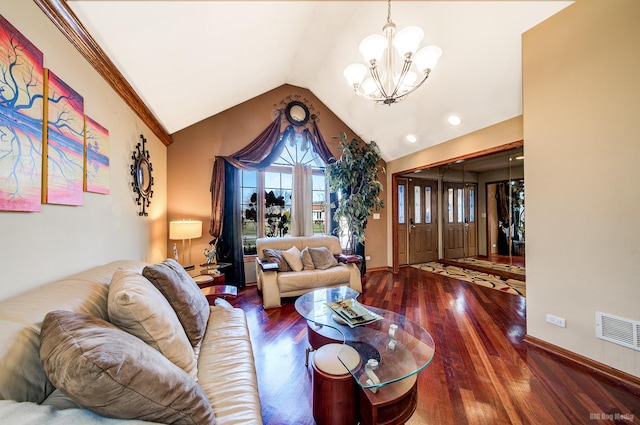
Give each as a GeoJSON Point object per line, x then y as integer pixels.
{"type": "Point", "coordinates": [353, 313]}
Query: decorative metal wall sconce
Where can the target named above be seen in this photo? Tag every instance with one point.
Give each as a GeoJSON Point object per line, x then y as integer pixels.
{"type": "Point", "coordinates": [142, 179]}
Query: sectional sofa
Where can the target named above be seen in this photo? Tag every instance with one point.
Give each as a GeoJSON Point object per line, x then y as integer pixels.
{"type": "Point", "coordinates": [63, 362]}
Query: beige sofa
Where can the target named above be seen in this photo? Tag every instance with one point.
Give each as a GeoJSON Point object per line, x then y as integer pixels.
{"type": "Point", "coordinates": [225, 367]}
{"type": "Point", "coordinates": [275, 284]}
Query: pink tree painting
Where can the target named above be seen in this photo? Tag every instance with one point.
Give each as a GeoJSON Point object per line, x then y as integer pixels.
{"type": "Point", "coordinates": [21, 113]}
{"type": "Point", "coordinates": [97, 157]}
{"type": "Point", "coordinates": [65, 144]}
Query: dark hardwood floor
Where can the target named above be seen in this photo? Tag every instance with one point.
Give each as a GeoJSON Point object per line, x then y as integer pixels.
{"type": "Point", "coordinates": [482, 372]}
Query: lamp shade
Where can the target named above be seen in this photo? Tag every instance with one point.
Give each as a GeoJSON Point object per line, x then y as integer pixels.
{"type": "Point", "coordinates": [185, 229]}
{"type": "Point", "coordinates": [407, 40]}
{"type": "Point", "coordinates": [427, 58]}
{"type": "Point", "coordinates": [355, 73]}
{"type": "Point", "coordinates": [372, 48]}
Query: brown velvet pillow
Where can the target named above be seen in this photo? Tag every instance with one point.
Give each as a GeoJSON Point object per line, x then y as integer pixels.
{"type": "Point", "coordinates": [117, 375]}
{"type": "Point", "coordinates": [307, 261]}
{"type": "Point", "coordinates": [182, 292]}
{"type": "Point", "coordinates": [275, 256]}
{"type": "Point", "coordinates": [322, 258]}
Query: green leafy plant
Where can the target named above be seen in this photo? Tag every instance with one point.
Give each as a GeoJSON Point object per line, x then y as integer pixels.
{"type": "Point", "coordinates": [354, 177]}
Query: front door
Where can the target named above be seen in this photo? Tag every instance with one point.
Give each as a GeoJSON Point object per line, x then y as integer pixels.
{"type": "Point", "coordinates": [417, 224]}
{"type": "Point", "coordinates": [460, 228]}
{"type": "Point", "coordinates": [423, 227]}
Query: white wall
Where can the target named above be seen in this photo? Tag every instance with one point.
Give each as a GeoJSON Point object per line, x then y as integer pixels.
{"type": "Point", "coordinates": [36, 248]}
{"type": "Point", "coordinates": [581, 95]}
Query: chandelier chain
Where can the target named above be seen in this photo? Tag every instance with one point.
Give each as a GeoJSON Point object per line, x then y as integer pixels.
{"type": "Point", "coordinates": [389, 12]}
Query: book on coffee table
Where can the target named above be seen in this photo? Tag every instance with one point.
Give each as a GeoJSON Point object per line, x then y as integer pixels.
{"type": "Point", "coordinates": [353, 313]}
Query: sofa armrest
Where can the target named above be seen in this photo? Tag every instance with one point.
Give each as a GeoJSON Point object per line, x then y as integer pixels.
{"type": "Point", "coordinates": [346, 259]}
{"type": "Point", "coordinates": [267, 266]}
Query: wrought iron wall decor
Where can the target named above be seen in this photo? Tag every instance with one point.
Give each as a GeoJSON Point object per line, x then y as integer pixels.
{"type": "Point", "coordinates": [142, 178]}
{"type": "Point", "coordinates": [297, 111]}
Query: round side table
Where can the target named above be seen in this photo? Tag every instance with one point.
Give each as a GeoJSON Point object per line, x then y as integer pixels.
{"type": "Point", "coordinates": [335, 401]}
{"type": "Point", "coordinates": [203, 280]}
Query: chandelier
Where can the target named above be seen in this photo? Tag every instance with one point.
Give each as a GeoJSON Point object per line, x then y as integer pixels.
{"type": "Point", "coordinates": [387, 83]}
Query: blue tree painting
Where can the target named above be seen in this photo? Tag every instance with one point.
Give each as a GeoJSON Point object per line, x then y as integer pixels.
{"type": "Point", "coordinates": [21, 114]}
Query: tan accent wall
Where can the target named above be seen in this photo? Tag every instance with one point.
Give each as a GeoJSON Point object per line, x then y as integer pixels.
{"type": "Point", "coordinates": [190, 160]}
{"type": "Point", "coordinates": [581, 96]}
{"type": "Point", "coordinates": [37, 248]}
{"type": "Point", "coordinates": [487, 138]}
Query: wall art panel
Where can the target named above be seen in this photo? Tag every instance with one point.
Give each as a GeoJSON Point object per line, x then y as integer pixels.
{"type": "Point", "coordinates": [21, 113]}
{"type": "Point", "coordinates": [64, 167]}
{"type": "Point", "coordinates": [97, 157]}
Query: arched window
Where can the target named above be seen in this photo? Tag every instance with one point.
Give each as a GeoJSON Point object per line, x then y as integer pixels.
{"type": "Point", "coordinates": [268, 195]}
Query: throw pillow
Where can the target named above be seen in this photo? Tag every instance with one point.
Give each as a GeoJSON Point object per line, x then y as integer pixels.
{"type": "Point", "coordinates": [182, 292]}
{"type": "Point", "coordinates": [136, 306]}
{"type": "Point", "coordinates": [322, 258]}
{"type": "Point", "coordinates": [307, 261]}
{"type": "Point", "coordinates": [275, 256]}
{"type": "Point", "coordinates": [292, 257]}
{"type": "Point", "coordinates": [117, 375]}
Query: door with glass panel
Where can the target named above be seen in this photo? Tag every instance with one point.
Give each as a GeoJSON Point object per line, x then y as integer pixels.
{"type": "Point", "coordinates": [417, 225]}
{"type": "Point", "coordinates": [460, 232]}
{"type": "Point", "coordinates": [402, 225]}
{"type": "Point", "coordinates": [423, 227]}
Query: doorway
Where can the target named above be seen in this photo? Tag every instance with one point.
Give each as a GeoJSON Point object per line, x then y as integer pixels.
{"type": "Point", "coordinates": [463, 206]}
{"type": "Point", "coordinates": [417, 222]}
{"type": "Point", "coordinates": [460, 228]}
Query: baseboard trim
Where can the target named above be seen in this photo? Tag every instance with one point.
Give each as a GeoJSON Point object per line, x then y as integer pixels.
{"type": "Point", "coordinates": [630, 382]}
{"type": "Point", "coordinates": [379, 269]}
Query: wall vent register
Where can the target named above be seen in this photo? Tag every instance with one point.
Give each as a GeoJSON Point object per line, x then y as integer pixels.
{"type": "Point", "coordinates": [618, 330]}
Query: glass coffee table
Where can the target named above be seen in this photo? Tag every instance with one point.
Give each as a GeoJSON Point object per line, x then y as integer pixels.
{"type": "Point", "coordinates": [392, 349]}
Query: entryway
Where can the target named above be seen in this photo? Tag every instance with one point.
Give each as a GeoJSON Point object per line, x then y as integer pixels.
{"type": "Point", "coordinates": [468, 208]}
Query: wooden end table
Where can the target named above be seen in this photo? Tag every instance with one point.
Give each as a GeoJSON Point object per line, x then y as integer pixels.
{"type": "Point", "coordinates": [219, 291]}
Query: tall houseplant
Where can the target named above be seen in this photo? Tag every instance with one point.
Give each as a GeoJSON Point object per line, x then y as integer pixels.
{"type": "Point", "coordinates": [354, 177]}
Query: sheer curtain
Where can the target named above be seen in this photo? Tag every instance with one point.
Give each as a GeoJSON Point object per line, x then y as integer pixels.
{"type": "Point", "coordinates": [301, 202]}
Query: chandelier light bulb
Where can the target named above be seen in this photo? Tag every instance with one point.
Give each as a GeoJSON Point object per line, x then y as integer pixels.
{"type": "Point", "coordinates": [373, 47]}
{"type": "Point", "coordinates": [355, 73]}
{"type": "Point", "coordinates": [407, 41]}
{"type": "Point", "coordinates": [427, 58]}
{"type": "Point", "coordinates": [369, 86]}
{"type": "Point", "coordinates": [407, 83]}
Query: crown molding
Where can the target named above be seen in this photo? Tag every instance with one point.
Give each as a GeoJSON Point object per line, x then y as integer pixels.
{"type": "Point", "coordinates": [67, 22]}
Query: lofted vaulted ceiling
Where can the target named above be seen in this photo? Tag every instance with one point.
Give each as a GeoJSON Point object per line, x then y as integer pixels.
{"type": "Point", "coordinates": [189, 60]}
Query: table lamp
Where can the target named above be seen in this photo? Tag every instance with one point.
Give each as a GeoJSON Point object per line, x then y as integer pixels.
{"type": "Point", "coordinates": [185, 230]}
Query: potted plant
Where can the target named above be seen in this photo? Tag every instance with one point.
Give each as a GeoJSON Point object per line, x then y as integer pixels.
{"type": "Point", "coordinates": [354, 177]}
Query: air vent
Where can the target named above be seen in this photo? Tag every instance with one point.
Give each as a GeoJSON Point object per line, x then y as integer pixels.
{"type": "Point", "coordinates": [618, 330]}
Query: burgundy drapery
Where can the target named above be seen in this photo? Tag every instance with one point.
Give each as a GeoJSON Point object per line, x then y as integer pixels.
{"type": "Point", "coordinates": [258, 154]}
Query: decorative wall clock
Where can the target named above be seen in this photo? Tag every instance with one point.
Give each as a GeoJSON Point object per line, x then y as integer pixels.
{"type": "Point", "coordinates": [142, 179]}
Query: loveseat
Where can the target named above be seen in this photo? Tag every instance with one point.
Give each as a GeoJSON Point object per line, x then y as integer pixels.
{"type": "Point", "coordinates": [222, 373]}
{"type": "Point", "coordinates": [320, 264]}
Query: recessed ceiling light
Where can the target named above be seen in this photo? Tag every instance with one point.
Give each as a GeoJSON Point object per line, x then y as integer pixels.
{"type": "Point", "coordinates": [454, 120]}
{"type": "Point", "coordinates": [411, 138]}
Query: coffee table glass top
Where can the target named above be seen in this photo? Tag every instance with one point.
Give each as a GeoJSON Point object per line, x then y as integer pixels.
{"type": "Point", "coordinates": [391, 349]}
